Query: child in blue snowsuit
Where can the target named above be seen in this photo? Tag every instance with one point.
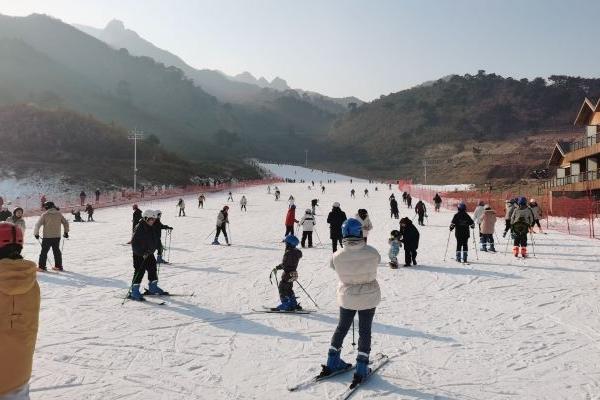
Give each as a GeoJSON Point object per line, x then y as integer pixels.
{"type": "Point", "coordinates": [395, 245]}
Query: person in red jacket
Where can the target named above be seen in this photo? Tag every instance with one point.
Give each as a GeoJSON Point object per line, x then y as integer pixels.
{"type": "Point", "coordinates": [290, 219]}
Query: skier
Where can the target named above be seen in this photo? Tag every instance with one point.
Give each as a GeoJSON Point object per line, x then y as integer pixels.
{"type": "Point", "coordinates": [201, 200]}
{"type": "Point", "coordinates": [144, 243]}
{"type": "Point", "coordinates": [90, 212]}
{"type": "Point", "coordinates": [322, 189]}
{"type": "Point", "coordinates": [314, 203]}
{"type": "Point", "coordinates": [358, 291]}
{"type": "Point", "coordinates": [289, 265]}
{"type": "Point", "coordinates": [462, 222]}
{"type": "Point", "coordinates": [353, 193]}
{"type": "Point", "coordinates": [394, 212]}
{"type": "Point", "coordinates": [42, 202]}
{"type": "Point", "coordinates": [366, 193]}
{"type": "Point", "coordinates": [421, 211]}
{"type": "Point", "coordinates": [137, 216]}
{"type": "Point", "coordinates": [158, 228]}
{"type": "Point", "coordinates": [392, 197]}
{"type": "Point", "coordinates": [335, 219]}
{"type": "Point", "coordinates": [437, 201]}
{"type": "Point", "coordinates": [20, 310]}
{"type": "Point", "coordinates": [222, 221]}
{"type": "Point", "coordinates": [82, 197]}
{"type": "Point", "coordinates": [395, 244]}
{"type": "Point", "coordinates": [181, 206]}
{"type": "Point", "coordinates": [268, 189]}
{"type": "Point", "coordinates": [291, 201]}
{"type": "Point", "coordinates": [478, 213]}
{"type": "Point", "coordinates": [521, 221]}
{"type": "Point", "coordinates": [230, 197]}
{"type": "Point", "coordinates": [410, 238]}
{"type": "Point", "coordinates": [389, 186]}
{"type": "Point", "coordinates": [51, 220]}
{"type": "Point", "coordinates": [243, 202]}
{"type": "Point", "coordinates": [486, 229]}
{"type": "Point", "coordinates": [409, 200]}
{"type": "Point", "coordinates": [97, 193]}
{"type": "Point", "coordinates": [363, 217]}
{"type": "Point", "coordinates": [290, 219]}
{"type": "Point", "coordinates": [17, 219]}
{"type": "Point", "coordinates": [277, 194]}
{"type": "Point", "coordinates": [77, 216]}
{"type": "Point", "coordinates": [307, 222]}
{"type": "Point", "coordinates": [537, 215]}
{"type": "Point", "coordinates": [510, 209]}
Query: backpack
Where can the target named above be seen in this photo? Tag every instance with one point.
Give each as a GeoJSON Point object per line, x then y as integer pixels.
{"type": "Point", "coordinates": [520, 227]}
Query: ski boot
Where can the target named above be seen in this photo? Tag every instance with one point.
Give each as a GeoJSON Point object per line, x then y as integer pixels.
{"type": "Point", "coordinates": [334, 362]}
{"type": "Point", "coordinates": [516, 251]}
{"type": "Point", "coordinates": [458, 255]}
{"type": "Point", "coordinates": [134, 293]}
{"type": "Point", "coordinates": [227, 241]}
{"type": "Point", "coordinates": [393, 264]}
{"type": "Point", "coordinates": [414, 260]}
{"type": "Point", "coordinates": [57, 268]}
{"type": "Point", "coordinates": [492, 248]}
{"type": "Point", "coordinates": [524, 252]}
{"type": "Point", "coordinates": [287, 304]}
{"type": "Point", "coordinates": [153, 289]}
{"type": "Point", "coordinates": [216, 242]}
{"type": "Point", "coordinates": [42, 269]}
{"type": "Point", "coordinates": [483, 245]}
{"type": "Point", "coordinates": [465, 256]}
{"type": "Point", "coordinates": [362, 369]}
{"type": "Point", "coordinates": [160, 260]}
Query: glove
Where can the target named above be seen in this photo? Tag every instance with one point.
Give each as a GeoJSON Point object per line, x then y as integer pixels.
{"type": "Point", "coordinates": [451, 228]}
{"type": "Point", "coordinates": [66, 235]}
{"type": "Point", "coordinates": [279, 267]}
{"type": "Point", "coordinates": [37, 237]}
{"type": "Point", "coordinates": [169, 228]}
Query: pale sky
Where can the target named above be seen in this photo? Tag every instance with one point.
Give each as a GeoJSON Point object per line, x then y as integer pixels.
{"type": "Point", "coordinates": [348, 47]}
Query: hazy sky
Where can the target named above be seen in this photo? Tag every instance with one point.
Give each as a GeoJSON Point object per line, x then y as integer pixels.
{"type": "Point", "coordinates": [349, 47]}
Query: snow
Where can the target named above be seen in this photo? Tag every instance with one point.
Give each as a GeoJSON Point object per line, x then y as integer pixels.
{"type": "Point", "coordinates": [295, 172]}
{"type": "Point", "coordinates": [447, 188]}
{"type": "Point", "coordinates": [496, 329]}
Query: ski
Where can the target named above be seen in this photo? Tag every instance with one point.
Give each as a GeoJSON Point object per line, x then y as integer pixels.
{"type": "Point", "coordinates": [146, 301]}
{"type": "Point", "coordinates": [167, 294]}
{"type": "Point", "coordinates": [376, 365]}
{"type": "Point", "coordinates": [316, 379]}
{"type": "Point", "coordinates": [275, 311]}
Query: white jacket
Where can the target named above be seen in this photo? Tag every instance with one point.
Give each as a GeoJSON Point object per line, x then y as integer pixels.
{"type": "Point", "coordinates": [366, 225]}
{"type": "Point", "coordinates": [356, 265]}
{"type": "Point", "coordinates": [243, 201]}
{"type": "Point", "coordinates": [307, 222]}
{"type": "Point", "coordinates": [181, 204]}
{"type": "Point", "coordinates": [478, 214]}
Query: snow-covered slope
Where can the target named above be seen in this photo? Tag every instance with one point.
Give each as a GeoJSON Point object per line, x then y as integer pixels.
{"type": "Point", "coordinates": [497, 329]}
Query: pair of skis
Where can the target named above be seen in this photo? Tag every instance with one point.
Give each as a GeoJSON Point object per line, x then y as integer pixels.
{"type": "Point", "coordinates": [272, 310]}
{"type": "Point", "coordinates": [376, 363]}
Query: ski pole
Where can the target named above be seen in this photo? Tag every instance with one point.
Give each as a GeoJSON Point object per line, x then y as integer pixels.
{"type": "Point", "coordinates": [532, 243]}
{"type": "Point", "coordinates": [273, 272]}
{"type": "Point", "coordinates": [210, 234]}
{"type": "Point", "coordinates": [447, 245]}
{"type": "Point", "coordinates": [353, 338]}
{"type": "Point", "coordinates": [317, 233]}
{"type": "Point", "coordinates": [230, 235]}
{"type": "Point", "coordinates": [169, 248]}
{"type": "Point", "coordinates": [311, 299]}
{"type": "Point", "coordinates": [475, 245]}
{"type": "Point", "coordinates": [506, 249]}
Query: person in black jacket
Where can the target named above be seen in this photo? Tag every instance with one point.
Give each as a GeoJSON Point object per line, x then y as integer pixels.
{"type": "Point", "coordinates": [158, 227]}
{"type": "Point", "coordinates": [462, 222]}
{"type": "Point", "coordinates": [420, 210]}
{"type": "Point", "coordinates": [137, 216]}
{"type": "Point", "coordinates": [289, 265]}
{"type": "Point", "coordinates": [410, 238]}
{"type": "Point", "coordinates": [90, 212]}
{"type": "Point", "coordinates": [437, 200]}
{"type": "Point", "coordinates": [143, 245]}
{"type": "Point", "coordinates": [409, 200]}
{"type": "Point", "coordinates": [394, 212]}
{"type": "Point", "coordinates": [335, 219]}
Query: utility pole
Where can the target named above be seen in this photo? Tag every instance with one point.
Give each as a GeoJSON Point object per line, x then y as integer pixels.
{"type": "Point", "coordinates": [306, 158]}
{"type": "Point", "coordinates": [135, 136]}
{"type": "Point", "coordinates": [425, 171]}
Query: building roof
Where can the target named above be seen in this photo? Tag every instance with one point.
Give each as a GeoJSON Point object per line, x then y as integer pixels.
{"type": "Point", "coordinates": [589, 113]}
{"type": "Point", "coordinates": [560, 149]}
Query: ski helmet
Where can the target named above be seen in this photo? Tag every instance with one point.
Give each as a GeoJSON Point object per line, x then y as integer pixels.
{"type": "Point", "coordinates": [10, 234]}
{"type": "Point", "coordinates": [291, 240]}
{"type": "Point", "coordinates": [352, 228]}
{"type": "Point", "coordinates": [522, 201]}
{"type": "Point", "coordinates": [149, 214]}
{"type": "Point", "coordinates": [395, 233]}
{"type": "Point", "coordinates": [158, 213]}
{"type": "Point", "coordinates": [135, 206]}
{"type": "Point", "coordinates": [48, 205]}
{"type": "Point", "coordinates": [462, 206]}
{"type": "Point", "coordinates": [532, 200]}
{"type": "Point", "coordinates": [336, 204]}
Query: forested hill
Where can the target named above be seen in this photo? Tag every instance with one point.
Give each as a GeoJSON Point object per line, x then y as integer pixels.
{"type": "Point", "coordinates": [396, 131]}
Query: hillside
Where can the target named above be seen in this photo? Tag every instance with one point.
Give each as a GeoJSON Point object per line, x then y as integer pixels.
{"type": "Point", "coordinates": [83, 149]}
{"type": "Point", "coordinates": [462, 119]}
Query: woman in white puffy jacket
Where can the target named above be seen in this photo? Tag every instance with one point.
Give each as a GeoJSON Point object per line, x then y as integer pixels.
{"type": "Point", "coordinates": [358, 291]}
{"type": "Point", "coordinates": [363, 217]}
{"type": "Point", "coordinates": [307, 222]}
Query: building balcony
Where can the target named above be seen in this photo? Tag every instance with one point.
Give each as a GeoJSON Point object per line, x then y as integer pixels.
{"type": "Point", "coordinates": [588, 180]}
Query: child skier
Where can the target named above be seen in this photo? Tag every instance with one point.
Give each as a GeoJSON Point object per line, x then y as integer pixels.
{"type": "Point", "coordinates": [20, 309]}
{"type": "Point", "coordinates": [222, 221]}
{"type": "Point", "coordinates": [537, 215]}
{"type": "Point", "coordinates": [289, 265]}
{"type": "Point", "coordinates": [462, 222]}
{"type": "Point", "coordinates": [77, 216]}
{"type": "Point", "coordinates": [314, 203]}
{"type": "Point", "coordinates": [243, 202]}
{"type": "Point", "coordinates": [158, 228]}
{"type": "Point", "coordinates": [230, 197]}
{"type": "Point", "coordinates": [486, 228]}
{"type": "Point", "coordinates": [290, 219]}
{"type": "Point", "coordinates": [363, 217]}
{"type": "Point", "coordinates": [307, 222]}
{"type": "Point", "coordinates": [201, 200]}
{"type": "Point", "coordinates": [17, 219]}
{"type": "Point", "coordinates": [410, 239]}
{"type": "Point", "coordinates": [395, 244]}
{"type": "Point", "coordinates": [437, 201]}
{"type": "Point", "coordinates": [510, 209]}
{"type": "Point", "coordinates": [90, 212]}
{"type": "Point", "coordinates": [181, 206]}
{"type": "Point", "coordinates": [521, 222]}
{"type": "Point", "coordinates": [352, 193]}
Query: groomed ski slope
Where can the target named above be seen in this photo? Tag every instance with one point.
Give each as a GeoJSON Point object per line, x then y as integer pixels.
{"type": "Point", "coordinates": [497, 329]}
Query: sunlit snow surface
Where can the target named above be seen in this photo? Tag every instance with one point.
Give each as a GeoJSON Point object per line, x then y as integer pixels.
{"type": "Point", "coordinates": [496, 329]}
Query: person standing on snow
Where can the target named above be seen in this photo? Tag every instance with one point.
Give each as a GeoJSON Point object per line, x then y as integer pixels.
{"type": "Point", "coordinates": [358, 292]}
{"type": "Point", "coordinates": [51, 221]}
{"type": "Point", "coordinates": [20, 310]}
{"type": "Point", "coordinates": [537, 215]}
{"type": "Point", "coordinates": [97, 193]}
{"type": "Point", "coordinates": [289, 265]}
{"type": "Point", "coordinates": [314, 203]}
{"type": "Point", "coordinates": [90, 212]}
{"type": "Point", "coordinates": [181, 206]}
{"type": "Point", "coordinates": [363, 217]}
{"type": "Point", "coordinates": [290, 219]}
{"type": "Point", "coordinates": [421, 211]}
{"type": "Point", "coordinates": [230, 197]}
{"type": "Point", "coordinates": [366, 193]}
{"type": "Point", "coordinates": [478, 213]}
{"type": "Point", "coordinates": [17, 219]}
{"type": "Point", "coordinates": [510, 209]}
{"type": "Point", "coordinates": [201, 200]}
{"type": "Point", "coordinates": [307, 222]}
{"type": "Point", "coordinates": [437, 201]}
{"type": "Point", "coordinates": [462, 222]}
{"type": "Point", "coordinates": [82, 197]}
{"type": "Point", "coordinates": [395, 244]}
{"type": "Point", "coordinates": [521, 221]}
{"type": "Point", "coordinates": [353, 193]}
{"type": "Point", "coordinates": [137, 216]}
{"type": "Point", "coordinates": [222, 221]}
{"type": "Point", "coordinates": [158, 228]}
{"type": "Point", "coordinates": [394, 212]}
{"type": "Point", "coordinates": [409, 200]}
{"type": "Point", "coordinates": [335, 219]}
{"type": "Point", "coordinates": [410, 238]}
{"type": "Point", "coordinates": [243, 202]}
{"type": "Point", "coordinates": [486, 228]}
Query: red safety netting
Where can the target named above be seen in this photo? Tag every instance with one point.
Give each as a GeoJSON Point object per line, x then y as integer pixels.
{"type": "Point", "coordinates": [578, 216]}
{"type": "Point", "coordinates": [71, 200]}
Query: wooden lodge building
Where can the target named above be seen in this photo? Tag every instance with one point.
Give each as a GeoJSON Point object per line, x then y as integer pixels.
{"type": "Point", "coordinates": [576, 162]}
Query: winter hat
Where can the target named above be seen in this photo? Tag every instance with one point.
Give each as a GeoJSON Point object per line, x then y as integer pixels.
{"type": "Point", "coordinates": [395, 233]}
{"type": "Point", "coordinates": [17, 209]}
{"type": "Point", "coordinates": [308, 211]}
{"type": "Point", "coordinates": [336, 204]}
{"type": "Point", "coordinates": [462, 207]}
{"type": "Point", "coordinates": [522, 201]}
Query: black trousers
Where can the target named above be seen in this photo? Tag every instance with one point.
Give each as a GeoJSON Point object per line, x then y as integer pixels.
{"type": "Point", "coordinates": [462, 243]}
{"type": "Point", "coordinates": [289, 230]}
{"type": "Point", "coordinates": [410, 255]}
{"type": "Point", "coordinates": [365, 322]}
{"type": "Point", "coordinates": [506, 225]}
{"type": "Point", "coordinates": [182, 211]}
{"type": "Point", "coordinates": [48, 243]}
{"type": "Point", "coordinates": [421, 216]}
{"type": "Point", "coordinates": [307, 235]}
{"type": "Point", "coordinates": [141, 265]}
{"type": "Point", "coordinates": [221, 228]}
{"type": "Point", "coordinates": [334, 243]}
{"type": "Point", "coordinates": [243, 207]}
{"type": "Point", "coordinates": [520, 240]}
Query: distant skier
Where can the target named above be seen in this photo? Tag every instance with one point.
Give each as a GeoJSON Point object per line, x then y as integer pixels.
{"type": "Point", "coordinates": [322, 189]}
{"type": "Point", "coordinates": [144, 243]}
{"type": "Point", "coordinates": [307, 222]}
{"type": "Point", "coordinates": [314, 203]}
{"type": "Point", "coordinates": [409, 200]}
{"type": "Point", "coordinates": [394, 212]}
{"type": "Point", "coordinates": [90, 212]}
{"type": "Point", "coordinates": [82, 197]}
{"type": "Point", "coordinates": [222, 221]}
{"type": "Point", "coordinates": [366, 193]}
{"type": "Point", "coordinates": [137, 216]}
{"type": "Point", "coordinates": [437, 201]}
{"type": "Point", "coordinates": [181, 206]}
{"type": "Point", "coordinates": [521, 221]}
{"type": "Point", "coordinates": [486, 228]}
{"type": "Point", "coordinates": [462, 222]}
{"type": "Point", "coordinates": [277, 194]}
{"type": "Point", "coordinates": [243, 203]}
{"type": "Point", "coordinates": [17, 219]}
{"type": "Point", "coordinates": [389, 186]}
{"type": "Point", "coordinates": [290, 219]}
{"type": "Point", "coordinates": [97, 193]}
{"type": "Point", "coordinates": [353, 193]}
{"type": "Point", "coordinates": [289, 265]}
{"type": "Point", "coordinates": [201, 200]}
{"type": "Point", "coordinates": [421, 211]}
{"type": "Point", "coordinates": [395, 244]}
{"type": "Point", "coordinates": [51, 221]}
{"type": "Point", "coordinates": [363, 217]}
{"type": "Point", "coordinates": [358, 291]}
{"type": "Point", "coordinates": [230, 197]}
{"type": "Point", "coordinates": [404, 196]}
{"type": "Point", "coordinates": [335, 219]}
{"type": "Point", "coordinates": [537, 215]}
{"type": "Point", "coordinates": [158, 228]}
{"type": "Point", "coordinates": [77, 216]}
{"type": "Point", "coordinates": [410, 239]}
